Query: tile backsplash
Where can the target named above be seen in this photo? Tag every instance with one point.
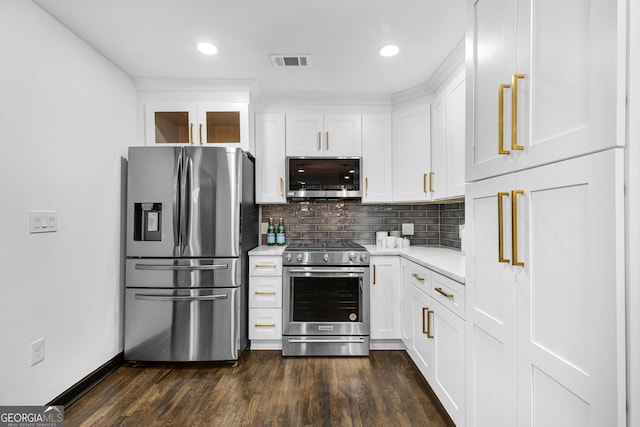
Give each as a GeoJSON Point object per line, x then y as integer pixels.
{"type": "Point", "coordinates": [313, 222]}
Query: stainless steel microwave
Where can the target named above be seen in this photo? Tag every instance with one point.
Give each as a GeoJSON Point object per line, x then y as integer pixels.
{"type": "Point", "coordinates": [324, 177]}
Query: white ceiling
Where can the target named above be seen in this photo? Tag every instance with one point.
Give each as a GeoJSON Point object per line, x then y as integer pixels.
{"type": "Point", "coordinates": [157, 38]}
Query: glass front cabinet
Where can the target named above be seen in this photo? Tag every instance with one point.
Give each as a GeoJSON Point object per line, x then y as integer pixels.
{"type": "Point", "coordinates": [220, 124]}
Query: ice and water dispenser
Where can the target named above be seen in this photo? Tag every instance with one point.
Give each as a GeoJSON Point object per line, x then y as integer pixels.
{"type": "Point", "coordinates": [147, 222]}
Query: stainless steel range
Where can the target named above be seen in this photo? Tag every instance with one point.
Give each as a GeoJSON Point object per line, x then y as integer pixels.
{"type": "Point", "coordinates": [325, 300]}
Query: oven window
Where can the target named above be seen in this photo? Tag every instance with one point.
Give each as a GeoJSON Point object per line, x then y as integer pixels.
{"type": "Point", "coordinates": [326, 299]}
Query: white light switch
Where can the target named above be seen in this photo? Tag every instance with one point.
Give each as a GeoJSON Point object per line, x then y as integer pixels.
{"type": "Point", "coordinates": [43, 221]}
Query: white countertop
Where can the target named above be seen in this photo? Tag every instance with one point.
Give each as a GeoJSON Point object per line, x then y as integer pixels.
{"type": "Point", "coordinates": [448, 262]}
{"type": "Point", "coordinates": [267, 250]}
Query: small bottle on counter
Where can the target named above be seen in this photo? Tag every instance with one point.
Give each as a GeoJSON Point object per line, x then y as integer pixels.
{"type": "Point", "coordinates": [271, 233]}
{"type": "Point", "coordinates": [280, 235]}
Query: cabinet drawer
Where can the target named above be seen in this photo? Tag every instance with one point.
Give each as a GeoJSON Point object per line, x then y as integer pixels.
{"type": "Point", "coordinates": [265, 266]}
{"type": "Point", "coordinates": [265, 324]}
{"type": "Point", "coordinates": [448, 292]}
{"type": "Point", "coordinates": [265, 292]}
{"type": "Point", "coordinates": [417, 275]}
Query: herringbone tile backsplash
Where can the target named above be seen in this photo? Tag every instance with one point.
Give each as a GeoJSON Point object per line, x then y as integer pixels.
{"type": "Point", "coordinates": [434, 224]}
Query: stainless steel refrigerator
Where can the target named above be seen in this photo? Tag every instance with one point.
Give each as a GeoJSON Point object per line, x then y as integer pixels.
{"type": "Point", "coordinates": [191, 219]}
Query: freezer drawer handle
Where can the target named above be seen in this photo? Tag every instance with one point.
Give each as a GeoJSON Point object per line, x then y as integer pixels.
{"type": "Point", "coordinates": [151, 297]}
{"type": "Point", "coordinates": [346, 341]}
{"type": "Point", "coordinates": [181, 267]}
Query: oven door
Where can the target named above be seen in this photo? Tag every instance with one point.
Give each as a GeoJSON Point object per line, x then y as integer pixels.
{"type": "Point", "coordinates": [326, 301]}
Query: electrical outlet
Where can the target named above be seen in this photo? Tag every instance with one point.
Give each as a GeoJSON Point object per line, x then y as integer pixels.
{"type": "Point", "coordinates": [407, 229]}
{"type": "Point", "coordinates": [37, 351]}
{"type": "Point", "coordinates": [263, 227]}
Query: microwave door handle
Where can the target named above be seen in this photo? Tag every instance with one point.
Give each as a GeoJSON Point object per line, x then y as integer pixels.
{"type": "Point", "coordinates": [154, 297]}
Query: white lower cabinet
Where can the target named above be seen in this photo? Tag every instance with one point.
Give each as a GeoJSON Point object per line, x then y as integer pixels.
{"type": "Point", "coordinates": [434, 335]}
{"type": "Point", "coordinates": [265, 302]}
{"type": "Point", "coordinates": [385, 297]}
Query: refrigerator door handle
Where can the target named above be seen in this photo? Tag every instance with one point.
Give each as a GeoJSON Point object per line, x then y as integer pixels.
{"type": "Point", "coordinates": [182, 267]}
{"type": "Point", "coordinates": [176, 201]}
{"type": "Point", "coordinates": [184, 201]}
{"type": "Point", "coordinates": [154, 297]}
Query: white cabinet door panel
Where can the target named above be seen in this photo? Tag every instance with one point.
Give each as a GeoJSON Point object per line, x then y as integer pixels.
{"type": "Point", "coordinates": [270, 158]}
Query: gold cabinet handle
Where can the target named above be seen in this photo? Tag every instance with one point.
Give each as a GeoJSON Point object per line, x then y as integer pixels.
{"type": "Point", "coordinates": [501, 257]}
{"type": "Point", "coordinates": [424, 183]}
{"type": "Point", "coordinates": [265, 293]}
{"type": "Point", "coordinates": [514, 112]}
{"type": "Point", "coordinates": [326, 141]}
{"type": "Point", "coordinates": [281, 187]}
{"type": "Point", "coordinates": [426, 313]}
{"type": "Point", "coordinates": [431, 175]}
{"type": "Point", "coordinates": [514, 227]}
{"type": "Point", "coordinates": [501, 149]}
{"type": "Point", "coordinates": [319, 140]}
{"type": "Point", "coordinates": [201, 126]}
{"type": "Point", "coordinates": [415, 276]}
{"type": "Point", "coordinates": [265, 325]}
{"type": "Point", "coordinates": [366, 186]}
{"type": "Point", "coordinates": [441, 292]}
{"type": "Point", "coordinates": [265, 266]}
{"type": "Point", "coordinates": [190, 133]}
{"type": "Point", "coordinates": [374, 274]}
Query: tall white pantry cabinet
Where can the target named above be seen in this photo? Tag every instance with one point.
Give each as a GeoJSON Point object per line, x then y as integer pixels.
{"type": "Point", "coordinates": [545, 334]}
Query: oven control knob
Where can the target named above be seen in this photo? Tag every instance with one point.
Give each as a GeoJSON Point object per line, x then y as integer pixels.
{"type": "Point", "coordinates": [299, 258]}
{"type": "Point", "coordinates": [352, 257]}
{"type": "Point", "coordinates": [288, 258]}
{"type": "Point", "coordinates": [363, 257]}
{"type": "Point", "coordinates": [325, 257]}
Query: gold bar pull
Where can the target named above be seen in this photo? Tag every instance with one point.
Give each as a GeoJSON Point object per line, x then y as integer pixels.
{"type": "Point", "coordinates": [190, 133]}
{"type": "Point", "coordinates": [431, 175]}
{"type": "Point", "coordinates": [415, 276]}
{"type": "Point", "coordinates": [424, 322]}
{"type": "Point", "coordinates": [514, 227]}
{"type": "Point", "coordinates": [265, 325]}
{"type": "Point", "coordinates": [266, 293]}
{"type": "Point", "coordinates": [201, 126]}
{"type": "Point", "coordinates": [501, 257]}
{"type": "Point", "coordinates": [265, 266]}
{"type": "Point", "coordinates": [319, 140]}
{"type": "Point", "coordinates": [424, 184]}
{"type": "Point", "coordinates": [366, 186]}
{"type": "Point", "coordinates": [281, 187]}
{"type": "Point", "coordinates": [514, 112]}
{"type": "Point", "coordinates": [501, 149]}
{"type": "Point", "coordinates": [429, 313]}
{"type": "Point", "coordinates": [374, 274]}
{"type": "Point", "coordinates": [440, 291]}
{"type": "Point", "coordinates": [326, 141]}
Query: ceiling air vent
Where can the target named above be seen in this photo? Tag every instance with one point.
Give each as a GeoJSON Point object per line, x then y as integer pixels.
{"type": "Point", "coordinates": [291, 61]}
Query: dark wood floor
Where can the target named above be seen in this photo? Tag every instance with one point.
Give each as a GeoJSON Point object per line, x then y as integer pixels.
{"type": "Point", "coordinates": [264, 389]}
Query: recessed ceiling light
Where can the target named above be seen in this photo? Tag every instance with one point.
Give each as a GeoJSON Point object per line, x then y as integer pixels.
{"type": "Point", "coordinates": [207, 48]}
{"type": "Point", "coordinates": [389, 50]}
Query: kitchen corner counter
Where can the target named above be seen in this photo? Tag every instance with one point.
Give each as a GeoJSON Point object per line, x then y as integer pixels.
{"type": "Point", "coordinates": [267, 250]}
{"type": "Point", "coordinates": [448, 262]}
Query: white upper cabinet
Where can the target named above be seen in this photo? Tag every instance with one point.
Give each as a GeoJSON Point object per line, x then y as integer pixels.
{"type": "Point", "coordinates": [543, 81]}
{"type": "Point", "coordinates": [321, 135]}
{"type": "Point", "coordinates": [220, 124]}
{"type": "Point", "coordinates": [412, 154]}
{"type": "Point", "coordinates": [376, 158]}
{"type": "Point", "coordinates": [270, 158]}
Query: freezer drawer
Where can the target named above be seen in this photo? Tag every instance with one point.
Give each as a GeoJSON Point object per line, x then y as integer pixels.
{"type": "Point", "coordinates": [182, 325]}
{"type": "Point", "coordinates": [183, 272]}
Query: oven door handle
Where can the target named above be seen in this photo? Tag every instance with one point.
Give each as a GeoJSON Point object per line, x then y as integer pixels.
{"type": "Point", "coordinates": [303, 340]}
{"type": "Point", "coordinates": [332, 271]}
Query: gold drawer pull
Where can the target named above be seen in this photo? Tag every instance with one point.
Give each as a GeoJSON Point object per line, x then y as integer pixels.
{"type": "Point", "coordinates": [281, 187]}
{"type": "Point", "coordinates": [514, 112]}
{"type": "Point", "coordinates": [426, 329]}
{"type": "Point", "coordinates": [501, 149]}
{"type": "Point", "coordinates": [501, 257]}
{"type": "Point", "coordinates": [265, 325]}
{"type": "Point", "coordinates": [514, 227]}
{"type": "Point", "coordinates": [265, 266]}
{"type": "Point", "coordinates": [266, 293]}
{"type": "Point", "coordinates": [415, 276]}
{"type": "Point", "coordinates": [191, 133]}
{"type": "Point", "coordinates": [440, 291]}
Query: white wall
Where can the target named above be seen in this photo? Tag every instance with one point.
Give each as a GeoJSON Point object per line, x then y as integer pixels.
{"type": "Point", "coordinates": [66, 118]}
